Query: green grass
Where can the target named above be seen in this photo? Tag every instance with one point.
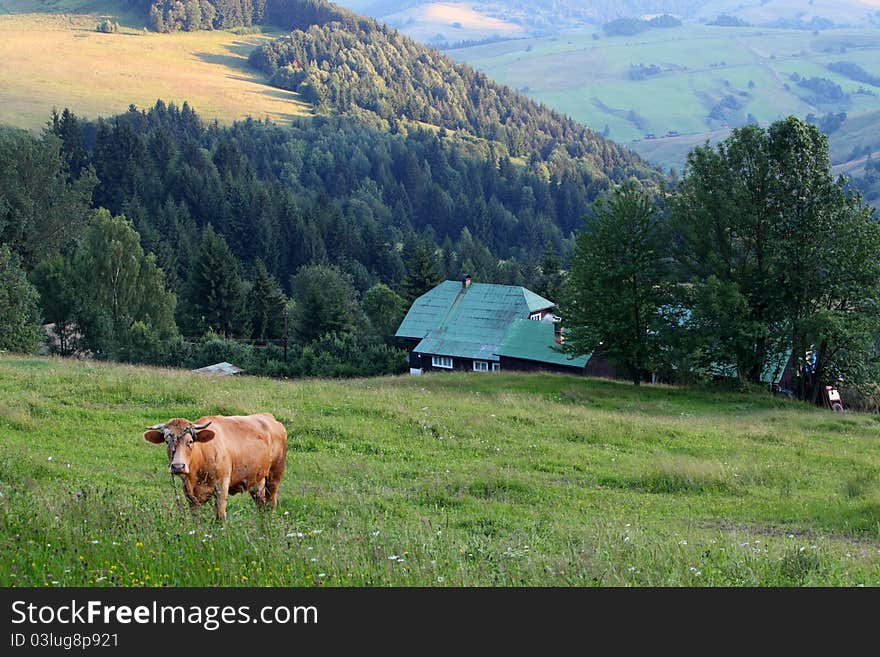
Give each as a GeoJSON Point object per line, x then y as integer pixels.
{"type": "Point", "coordinates": [60, 60]}
{"type": "Point", "coordinates": [588, 79]}
{"type": "Point", "coordinates": [453, 479]}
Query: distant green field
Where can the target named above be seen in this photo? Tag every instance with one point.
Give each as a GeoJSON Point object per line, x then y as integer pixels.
{"type": "Point", "coordinates": [59, 60]}
{"type": "Point", "coordinates": [700, 65]}
{"type": "Point", "coordinates": [439, 480]}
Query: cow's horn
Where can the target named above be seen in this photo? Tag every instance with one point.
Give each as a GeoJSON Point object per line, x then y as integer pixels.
{"type": "Point", "coordinates": [157, 427]}
{"type": "Point", "coordinates": [199, 427]}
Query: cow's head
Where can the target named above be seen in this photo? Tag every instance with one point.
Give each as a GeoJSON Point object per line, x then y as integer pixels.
{"type": "Point", "coordinates": [179, 436]}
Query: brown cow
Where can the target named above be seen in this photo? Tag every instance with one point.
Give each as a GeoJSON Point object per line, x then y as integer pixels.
{"type": "Point", "coordinates": [236, 453]}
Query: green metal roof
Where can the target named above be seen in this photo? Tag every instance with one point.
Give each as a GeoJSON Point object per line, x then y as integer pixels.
{"type": "Point", "coordinates": [428, 310]}
{"type": "Point", "coordinates": [467, 322]}
{"type": "Point", "coordinates": [775, 367]}
{"type": "Point", "coordinates": [531, 340]}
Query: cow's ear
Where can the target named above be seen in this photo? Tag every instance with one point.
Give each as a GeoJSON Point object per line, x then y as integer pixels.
{"type": "Point", "coordinates": [153, 436]}
{"type": "Point", "coordinates": [204, 435]}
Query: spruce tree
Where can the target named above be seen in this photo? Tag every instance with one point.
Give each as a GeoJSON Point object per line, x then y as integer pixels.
{"type": "Point", "coordinates": [421, 271]}
{"type": "Point", "coordinates": [266, 305]}
{"type": "Point", "coordinates": [214, 289]}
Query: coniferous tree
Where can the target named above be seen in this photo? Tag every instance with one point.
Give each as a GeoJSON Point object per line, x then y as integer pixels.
{"type": "Point", "coordinates": [67, 126]}
{"type": "Point", "coordinates": [421, 271]}
{"type": "Point", "coordinates": [214, 291]}
{"type": "Point", "coordinates": [326, 302]}
{"type": "Point", "coordinates": [266, 305]}
{"type": "Point", "coordinates": [551, 280]}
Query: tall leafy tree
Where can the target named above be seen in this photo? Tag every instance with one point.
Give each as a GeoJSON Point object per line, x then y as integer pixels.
{"type": "Point", "coordinates": [121, 295]}
{"type": "Point", "coordinates": [828, 261]}
{"type": "Point", "coordinates": [617, 287]}
{"type": "Point", "coordinates": [778, 255]}
{"type": "Point", "coordinates": [19, 306]}
{"type": "Point", "coordinates": [724, 229]}
{"type": "Point", "coordinates": [385, 309]}
{"type": "Point", "coordinates": [53, 279]}
{"type": "Point", "coordinates": [41, 209]}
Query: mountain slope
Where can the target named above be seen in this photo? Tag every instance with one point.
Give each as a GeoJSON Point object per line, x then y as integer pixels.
{"type": "Point", "coordinates": [362, 66]}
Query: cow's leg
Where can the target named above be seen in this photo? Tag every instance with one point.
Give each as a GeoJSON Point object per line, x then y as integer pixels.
{"type": "Point", "coordinates": [272, 481]}
{"type": "Point", "coordinates": [221, 490]}
{"type": "Point", "coordinates": [258, 492]}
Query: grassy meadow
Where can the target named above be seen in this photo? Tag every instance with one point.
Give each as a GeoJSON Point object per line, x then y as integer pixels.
{"type": "Point", "coordinates": [60, 60]}
{"type": "Point", "coordinates": [443, 480]}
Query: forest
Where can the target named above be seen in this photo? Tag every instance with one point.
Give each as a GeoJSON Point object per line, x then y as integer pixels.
{"type": "Point", "coordinates": [234, 222]}
{"type": "Point", "coordinates": [293, 249]}
{"type": "Point", "coordinates": [364, 67]}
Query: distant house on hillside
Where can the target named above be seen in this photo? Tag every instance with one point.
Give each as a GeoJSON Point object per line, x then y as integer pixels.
{"type": "Point", "coordinates": [482, 327]}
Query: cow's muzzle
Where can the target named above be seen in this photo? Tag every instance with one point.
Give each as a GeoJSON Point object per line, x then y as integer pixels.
{"type": "Point", "coordinates": [178, 468]}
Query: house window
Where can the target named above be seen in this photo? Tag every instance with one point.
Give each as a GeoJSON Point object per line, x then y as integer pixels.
{"type": "Point", "coordinates": [481, 366]}
{"type": "Point", "coordinates": [442, 361]}
{"type": "Point", "coordinates": [496, 367]}
{"type": "Point", "coordinates": [535, 316]}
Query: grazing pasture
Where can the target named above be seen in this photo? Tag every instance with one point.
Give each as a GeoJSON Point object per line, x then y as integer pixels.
{"type": "Point", "coordinates": [472, 479]}
{"type": "Point", "coordinates": [710, 79]}
{"type": "Point", "coordinates": [60, 60]}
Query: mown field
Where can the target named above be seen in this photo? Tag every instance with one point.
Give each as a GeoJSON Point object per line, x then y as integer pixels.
{"type": "Point", "coordinates": [471, 480]}
{"type": "Point", "coordinates": [588, 78]}
{"type": "Point", "coordinates": [60, 60]}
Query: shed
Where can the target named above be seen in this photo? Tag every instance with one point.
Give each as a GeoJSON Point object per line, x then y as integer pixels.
{"type": "Point", "coordinates": [220, 369]}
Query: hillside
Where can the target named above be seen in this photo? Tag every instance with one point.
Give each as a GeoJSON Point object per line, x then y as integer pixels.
{"type": "Point", "coordinates": [359, 65]}
{"type": "Point", "coordinates": [60, 60]}
{"type": "Point", "coordinates": [455, 21]}
{"type": "Point", "coordinates": [443, 480]}
{"type": "Point", "coordinates": [696, 80]}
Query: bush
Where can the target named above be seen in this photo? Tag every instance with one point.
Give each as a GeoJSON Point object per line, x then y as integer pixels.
{"type": "Point", "coordinates": [107, 26]}
{"type": "Point", "coordinates": [19, 306]}
{"type": "Point", "coordinates": [214, 349]}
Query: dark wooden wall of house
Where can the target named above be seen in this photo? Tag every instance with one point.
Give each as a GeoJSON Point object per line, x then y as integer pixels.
{"type": "Point", "coordinates": [458, 364]}
{"type": "Point", "coordinates": [598, 366]}
{"type": "Point", "coordinates": [520, 365]}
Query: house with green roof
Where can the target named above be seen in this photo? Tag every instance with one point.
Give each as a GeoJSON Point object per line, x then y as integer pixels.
{"type": "Point", "coordinates": [483, 327]}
